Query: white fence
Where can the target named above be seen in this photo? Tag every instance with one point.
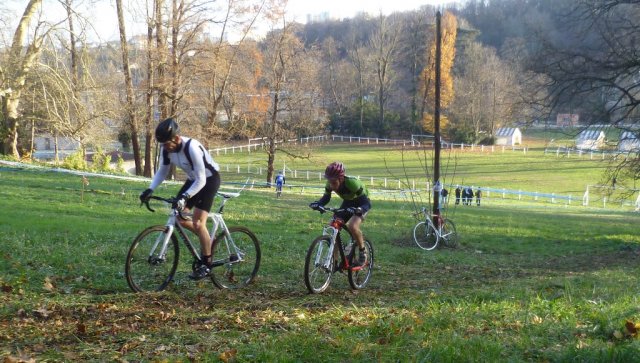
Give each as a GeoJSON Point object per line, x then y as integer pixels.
{"type": "Point", "coordinates": [384, 185]}
{"type": "Point", "coordinates": [601, 154]}
{"type": "Point", "coordinates": [261, 143]}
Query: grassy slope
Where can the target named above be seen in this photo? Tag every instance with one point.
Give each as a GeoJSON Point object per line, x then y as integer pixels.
{"type": "Point", "coordinates": [533, 171]}
{"type": "Point", "coordinates": [528, 283]}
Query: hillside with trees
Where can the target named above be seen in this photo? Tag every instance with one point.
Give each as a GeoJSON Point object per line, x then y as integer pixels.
{"type": "Point", "coordinates": [505, 62]}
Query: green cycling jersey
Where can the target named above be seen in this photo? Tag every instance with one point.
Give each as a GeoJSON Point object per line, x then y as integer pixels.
{"type": "Point", "coordinates": [351, 189]}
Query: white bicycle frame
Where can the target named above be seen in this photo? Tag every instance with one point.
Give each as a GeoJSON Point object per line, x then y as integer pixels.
{"type": "Point", "coordinates": [332, 233]}
{"type": "Point", "coordinates": [218, 223]}
{"type": "Point", "coordinates": [429, 219]}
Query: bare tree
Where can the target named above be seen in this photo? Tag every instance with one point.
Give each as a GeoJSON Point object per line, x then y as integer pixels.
{"type": "Point", "coordinates": [15, 70]}
{"type": "Point", "coordinates": [385, 44]}
{"type": "Point", "coordinates": [293, 109]}
{"type": "Point", "coordinates": [358, 55]}
{"type": "Point", "coordinates": [221, 56]}
{"type": "Point", "coordinates": [485, 88]}
{"type": "Point", "coordinates": [130, 95]}
{"type": "Point", "coordinates": [592, 66]}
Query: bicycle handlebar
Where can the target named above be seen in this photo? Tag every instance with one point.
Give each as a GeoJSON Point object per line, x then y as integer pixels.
{"type": "Point", "coordinates": [323, 209]}
{"type": "Point", "coordinates": [146, 202]}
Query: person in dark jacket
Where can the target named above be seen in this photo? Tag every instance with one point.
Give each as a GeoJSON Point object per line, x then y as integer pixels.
{"type": "Point", "coordinates": [458, 191]}
{"type": "Point", "coordinates": [478, 196]}
{"type": "Point", "coordinates": [444, 194]}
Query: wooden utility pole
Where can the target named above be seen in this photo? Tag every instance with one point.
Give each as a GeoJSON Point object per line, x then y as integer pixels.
{"type": "Point", "coordinates": [437, 186]}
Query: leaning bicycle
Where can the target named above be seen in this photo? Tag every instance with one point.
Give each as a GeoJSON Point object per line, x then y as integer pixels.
{"type": "Point", "coordinates": [328, 254]}
{"type": "Point", "coordinates": [427, 234]}
{"type": "Point", "coordinates": [152, 260]}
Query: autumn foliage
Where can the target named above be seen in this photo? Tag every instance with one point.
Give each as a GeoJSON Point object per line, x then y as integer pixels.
{"type": "Point", "coordinates": [428, 75]}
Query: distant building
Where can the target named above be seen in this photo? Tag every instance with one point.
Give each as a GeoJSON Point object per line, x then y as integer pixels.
{"type": "Point", "coordinates": [47, 142]}
{"type": "Point", "coordinates": [508, 136]}
{"type": "Point", "coordinates": [629, 142]}
{"type": "Point", "coordinates": [590, 140]}
{"type": "Point", "coordinates": [567, 119]}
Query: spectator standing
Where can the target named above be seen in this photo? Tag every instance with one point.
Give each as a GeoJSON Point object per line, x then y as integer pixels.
{"type": "Point", "coordinates": [458, 191]}
{"type": "Point", "coordinates": [444, 194]}
{"type": "Point", "coordinates": [478, 196]}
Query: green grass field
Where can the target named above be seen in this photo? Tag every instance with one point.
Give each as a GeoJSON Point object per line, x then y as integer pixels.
{"type": "Point", "coordinates": [529, 282]}
{"type": "Point", "coordinates": [408, 168]}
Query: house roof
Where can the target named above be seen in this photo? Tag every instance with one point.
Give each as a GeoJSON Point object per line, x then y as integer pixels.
{"type": "Point", "coordinates": [506, 131]}
{"type": "Point", "coordinates": [591, 135]}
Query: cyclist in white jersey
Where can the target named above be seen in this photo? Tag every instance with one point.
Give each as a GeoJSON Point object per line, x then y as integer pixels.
{"type": "Point", "coordinates": [198, 191]}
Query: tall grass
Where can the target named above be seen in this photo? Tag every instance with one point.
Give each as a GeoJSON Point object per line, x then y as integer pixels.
{"type": "Point", "coordinates": [530, 283]}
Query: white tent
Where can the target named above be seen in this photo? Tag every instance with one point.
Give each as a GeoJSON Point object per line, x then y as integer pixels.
{"type": "Point", "coordinates": [629, 142]}
{"type": "Point", "coordinates": [508, 136]}
{"type": "Point", "coordinates": [590, 140]}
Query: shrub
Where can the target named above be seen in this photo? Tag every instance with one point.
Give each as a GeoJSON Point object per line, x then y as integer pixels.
{"type": "Point", "coordinates": [75, 161]}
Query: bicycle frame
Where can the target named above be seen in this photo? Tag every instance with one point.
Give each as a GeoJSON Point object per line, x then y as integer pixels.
{"type": "Point", "coordinates": [429, 218]}
{"type": "Point", "coordinates": [332, 230]}
{"type": "Point", "coordinates": [173, 224]}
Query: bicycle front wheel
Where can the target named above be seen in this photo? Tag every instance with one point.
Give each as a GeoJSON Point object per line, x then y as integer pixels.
{"type": "Point", "coordinates": [147, 268]}
{"type": "Point", "coordinates": [318, 265]}
{"type": "Point", "coordinates": [236, 258]}
{"type": "Point", "coordinates": [450, 235]}
{"type": "Point", "coordinates": [360, 276]}
{"type": "Point", "coordinates": [425, 235]}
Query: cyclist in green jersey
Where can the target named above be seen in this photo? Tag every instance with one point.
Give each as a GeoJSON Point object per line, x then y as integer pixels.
{"type": "Point", "coordinates": [355, 201]}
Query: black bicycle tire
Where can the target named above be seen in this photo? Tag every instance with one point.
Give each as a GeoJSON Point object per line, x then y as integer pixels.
{"type": "Point", "coordinates": [354, 275]}
{"type": "Point", "coordinates": [215, 275]}
{"type": "Point", "coordinates": [308, 264]}
{"type": "Point", "coordinates": [129, 274]}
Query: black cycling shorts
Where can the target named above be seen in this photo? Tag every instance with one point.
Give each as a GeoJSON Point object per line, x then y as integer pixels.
{"type": "Point", "coordinates": [362, 202]}
{"type": "Point", "coordinates": [204, 198]}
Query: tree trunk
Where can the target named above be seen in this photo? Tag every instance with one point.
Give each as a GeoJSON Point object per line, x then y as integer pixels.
{"type": "Point", "coordinates": [149, 98]}
{"type": "Point", "coordinates": [17, 71]}
{"type": "Point", "coordinates": [272, 136]}
{"type": "Point", "coordinates": [133, 123]}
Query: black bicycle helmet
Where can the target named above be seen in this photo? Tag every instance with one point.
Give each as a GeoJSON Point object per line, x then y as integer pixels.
{"type": "Point", "coordinates": [167, 130]}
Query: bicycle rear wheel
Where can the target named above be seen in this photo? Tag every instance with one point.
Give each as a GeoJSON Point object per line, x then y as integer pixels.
{"type": "Point", "coordinates": [450, 235]}
{"type": "Point", "coordinates": [360, 276]}
{"type": "Point", "coordinates": [425, 235]}
{"type": "Point", "coordinates": [145, 269]}
{"type": "Point", "coordinates": [233, 269]}
{"type": "Point", "coordinates": [317, 275]}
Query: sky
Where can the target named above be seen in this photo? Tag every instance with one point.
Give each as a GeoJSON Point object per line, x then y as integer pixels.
{"type": "Point", "coordinates": [103, 15]}
{"type": "Point", "coordinates": [349, 8]}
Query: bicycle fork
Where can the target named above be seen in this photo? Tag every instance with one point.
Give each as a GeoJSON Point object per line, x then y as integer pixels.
{"type": "Point", "coordinates": [327, 261]}
{"type": "Point", "coordinates": [163, 240]}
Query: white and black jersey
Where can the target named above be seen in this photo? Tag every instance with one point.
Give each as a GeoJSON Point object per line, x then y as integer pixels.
{"type": "Point", "coordinates": [193, 159]}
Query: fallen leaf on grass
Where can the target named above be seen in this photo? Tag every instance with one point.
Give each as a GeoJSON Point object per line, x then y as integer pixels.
{"type": "Point", "coordinates": [632, 328]}
{"type": "Point", "coordinates": [48, 285]}
{"type": "Point", "coordinates": [536, 319]}
{"type": "Point", "coordinates": [7, 288]}
{"type": "Point", "coordinates": [228, 356]}
{"type": "Point", "coordinates": [42, 312]}
{"type": "Point", "coordinates": [618, 335]}
{"type": "Point", "coordinates": [10, 359]}
{"type": "Point", "coordinates": [81, 329]}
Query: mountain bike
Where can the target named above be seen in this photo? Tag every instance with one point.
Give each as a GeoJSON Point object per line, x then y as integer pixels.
{"type": "Point", "coordinates": [153, 257]}
{"type": "Point", "coordinates": [328, 254]}
{"type": "Point", "coordinates": [427, 235]}
{"type": "Point", "coordinates": [278, 190]}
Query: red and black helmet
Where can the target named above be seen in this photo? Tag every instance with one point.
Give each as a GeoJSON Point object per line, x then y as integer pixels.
{"type": "Point", "coordinates": [334, 170]}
